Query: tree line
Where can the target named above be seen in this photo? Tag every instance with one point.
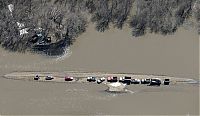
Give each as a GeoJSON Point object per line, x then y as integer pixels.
{"type": "Point", "coordinates": [61, 18]}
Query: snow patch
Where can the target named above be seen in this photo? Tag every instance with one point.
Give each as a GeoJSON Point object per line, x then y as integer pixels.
{"type": "Point", "coordinates": [20, 25]}
{"type": "Point", "coordinates": [23, 31]}
{"type": "Point", "coordinates": [11, 7]}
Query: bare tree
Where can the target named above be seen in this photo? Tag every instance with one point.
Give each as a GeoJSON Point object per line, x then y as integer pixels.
{"type": "Point", "coordinates": [67, 19]}
{"type": "Point", "coordinates": [160, 16]}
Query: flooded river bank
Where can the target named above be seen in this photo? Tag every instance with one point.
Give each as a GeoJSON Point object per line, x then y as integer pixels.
{"type": "Point", "coordinates": [111, 51]}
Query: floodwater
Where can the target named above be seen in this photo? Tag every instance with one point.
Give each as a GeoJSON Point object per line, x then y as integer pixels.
{"type": "Point", "coordinates": [111, 51]}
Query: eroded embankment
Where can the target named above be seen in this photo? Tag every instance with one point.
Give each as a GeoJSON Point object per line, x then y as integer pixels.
{"type": "Point", "coordinates": [82, 76]}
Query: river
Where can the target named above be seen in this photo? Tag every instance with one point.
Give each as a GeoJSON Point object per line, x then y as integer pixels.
{"type": "Point", "coordinates": [111, 51]}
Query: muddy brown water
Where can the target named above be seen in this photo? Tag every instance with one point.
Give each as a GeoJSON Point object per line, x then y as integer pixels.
{"type": "Point", "coordinates": [111, 51]}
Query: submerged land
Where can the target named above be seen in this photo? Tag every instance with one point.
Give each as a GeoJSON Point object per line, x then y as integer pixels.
{"type": "Point", "coordinates": [81, 77]}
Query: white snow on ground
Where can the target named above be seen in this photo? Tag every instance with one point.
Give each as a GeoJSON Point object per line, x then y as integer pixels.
{"type": "Point", "coordinates": [20, 25]}
{"type": "Point", "coordinates": [21, 28]}
{"type": "Point", "coordinates": [23, 31]}
{"type": "Point", "coordinates": [11, 7]}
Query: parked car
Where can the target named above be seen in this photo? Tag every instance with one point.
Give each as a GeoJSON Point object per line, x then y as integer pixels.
{"type": "Point", "coordinates": [68, 78]}
{"type": "Point", "coordinates": [112, 79]}
{"type": "Point", "coordinates": [145, 81]}
{"type": "Point", "coordinates": [49, 78]}
{"type": "Point", "coordinates": [166, 81]}
{"type": "Point", "coordinates": [155, 82]}
{"type": "Point", "coordinates": [127, 80]}
{"type": "Point", "coordinates": [99, 81]}
{"type": "Point", "coordinates": [36, 77]}
{"type": "Point", "coordinates": [135, 81]}
{"type": "Point", "coordinates": [91, 79]}
{"type": "Point", "coordinates": [102, 79]}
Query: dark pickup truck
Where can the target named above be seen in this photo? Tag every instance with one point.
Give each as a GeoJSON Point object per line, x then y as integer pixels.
{"type": "Point", "coordinates": [155, 82]}
{"type": "Point", "coordinates": [127, 80]}
{"type": "Point", "coordinates": [135, 81]}
{"type": "Point", "coordinates": [166, 81]}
